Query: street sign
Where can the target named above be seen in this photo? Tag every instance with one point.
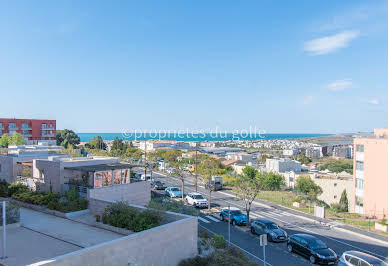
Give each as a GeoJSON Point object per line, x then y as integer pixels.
{"type": "Point", "coordinates": [263, 240]}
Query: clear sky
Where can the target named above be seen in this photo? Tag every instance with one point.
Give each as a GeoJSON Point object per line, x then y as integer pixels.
{"type": "Point", "coordinates": [282, 66]}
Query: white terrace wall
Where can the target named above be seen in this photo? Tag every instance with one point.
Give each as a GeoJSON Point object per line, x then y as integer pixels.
{"type": "Point", "coordinates": [138, 193]}
{"type": "Point", "coordinates": [165, 245]}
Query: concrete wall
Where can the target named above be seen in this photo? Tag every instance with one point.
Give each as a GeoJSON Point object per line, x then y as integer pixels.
{"type": "Point", "coordinates": [7, 168]}
{"type": "Point", "coordinates": [333, 188]}
{"type": "Point", "coordinates": [47, 173]}
{"type": "Point", "coordinates": [138, 193]}
{"type": "Point", "coordinates": [165, 245]}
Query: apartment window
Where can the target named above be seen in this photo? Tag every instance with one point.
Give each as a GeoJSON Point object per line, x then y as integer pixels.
{"type": "Point", "coordinates": [360, 148]}
{"type": "Point", "coordinates": [1, 125]}
{"type": "Point", "coordinates": [359, 183]}
{"type": "Point", "coordinates": [25, 125]}
{"type": "Point", "coordinates": [360, 166]}
{"type": "Point", "coordinates": [12, 126]}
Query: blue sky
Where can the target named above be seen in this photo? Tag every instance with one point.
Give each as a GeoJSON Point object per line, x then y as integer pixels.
{"type": "Point", "coordinates": [280, 66]}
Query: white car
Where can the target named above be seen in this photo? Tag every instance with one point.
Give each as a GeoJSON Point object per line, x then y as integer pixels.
{"type": "Point", "coordinates": [197, 200]}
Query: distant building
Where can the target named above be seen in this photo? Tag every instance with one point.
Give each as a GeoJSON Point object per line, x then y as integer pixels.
{"type": "Point", "coordinates": [221, 151]}
{"type": "Point", "coordinates": [316, 152]}
{"type": "Point", "coordinates": [343, 152]}
{"type": "Point", "coordinates": [33, 130]}
{"type": "Point", "coordinates": [370, 174]}
{"type": "Point", "coordinates": [154, 144]}
{"type": "Point", "coordinates": [282, 165]}
{"type": "Point", "coordinates": [242, 156]}
{"type": "Point", "coordinates": [290, 152]}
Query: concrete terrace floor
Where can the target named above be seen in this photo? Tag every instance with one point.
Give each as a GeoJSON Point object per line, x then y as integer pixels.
{"type": "Point", "coordinates": [43, 236]}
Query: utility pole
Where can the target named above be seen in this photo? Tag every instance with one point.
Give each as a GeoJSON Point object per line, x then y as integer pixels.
{"type": "Point", "coordinates": [229, 225]}
{"type": "Point", "coordinates": [4, 255]}
{"type": "Point", "coordinates": [195, 167]}
{"type": "Point", "coordinates": [145, 160]}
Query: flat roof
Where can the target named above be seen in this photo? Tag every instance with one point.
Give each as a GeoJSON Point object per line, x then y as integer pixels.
{"type": "Point", "coordinates": [101, 167]}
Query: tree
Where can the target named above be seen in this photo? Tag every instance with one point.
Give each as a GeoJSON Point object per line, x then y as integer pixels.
{"type": "Point", "coordinates": [96, 143]}
{"type": "Point", "coordinates": [308, 188]}
{"type": "Point", "coordinates": [208, 168]}
{"type": "Point", "coordinates": [302, 158]}
{"type": "Point", "coordinates": [344, 202]}
{"type": "Point", "coordinates": [5, 141]}
{"type": "Point", "coordinates": [272, 181]}
{"type": "Point", "coordinates": [179, 173]}
{"type": "Point", "coordinates": [248, 187]}
{"type": "Point", "coordinates": [250, 172]}
{"type": "Point", "coordinates": [67, 137]}
{"type": "Point", "coordinates": [338, 166]}
{"type": "Point", "coordinates": [172, 156]}
{"type": "Point", "coordinates": [18, 139]}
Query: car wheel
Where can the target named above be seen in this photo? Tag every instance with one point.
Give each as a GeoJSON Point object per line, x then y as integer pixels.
{"type": "Point", "coordinates": [253, 230]}
{"type": "Point", "coordinates": [289, 248]}
{"type": "Point", "coordinates": [312, 259]}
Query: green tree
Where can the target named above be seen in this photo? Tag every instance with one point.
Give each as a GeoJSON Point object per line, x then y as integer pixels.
{"type": "Point", "coordinates": [5, 141]}
{"type": "Point", "coordinates": [250, 172]}
{"type": "Point", "coordinates": [272, 181]}
{"type": "Point", "coordinates": [172, 156]}
{"type": "Point", "coordinates": [208, 168]}
{"type": "Point", "coordinates": [307, 186]}
{"type": "Point", "coordinates": [302, 158]}
{"type": "Point", "coordinates": [18, 139]}
{"type": "Point", "coordinates": [96, 143]}
{"type": "Point", "coordinates": [344, 202]}
{"type": "Point", "coordinates": [248, 187]}
{"type": "Point", "coordinates": [338, 166]}
{"type": "Point", "coordinates": [67, 137]}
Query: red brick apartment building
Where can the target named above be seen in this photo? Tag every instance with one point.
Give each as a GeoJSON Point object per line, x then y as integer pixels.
{"type": "Point", "coordinates": [31, 129]}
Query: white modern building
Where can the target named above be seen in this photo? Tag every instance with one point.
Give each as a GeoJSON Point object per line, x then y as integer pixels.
{"type": "Point", "coordinates": [282, 165]}
{"type": "Point", "coordinates": [290, 152]}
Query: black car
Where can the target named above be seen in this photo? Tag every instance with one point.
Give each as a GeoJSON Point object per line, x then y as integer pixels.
{"type": "Point", "coordinates": [312, 248]}
{"type": "Point", "coordinates": [158, 185]}
{"type": "Point", "coordinates": [273, 231]}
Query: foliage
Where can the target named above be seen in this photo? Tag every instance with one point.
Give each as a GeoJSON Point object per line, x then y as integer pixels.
{"type": "Point", "coordinates": [5, 141]}
{"type": "Point", "coordinates": [16, 139]}
{"type": "Point", "coordinates": [173, 156]}
{"type": "Point", "coordinates": [121, 215]}
{"type": "Point", "coordinates": [166, 204]}
{"type": "Point", "coordinates": [13, 213]}
{"type": "Point", "coordinates": [248, 187]}
{"type": "Point", "coordinates": [338, 166]}
{"type": "Point", "coordinates": [302, 158]}
{"type": "Point", "coordinates": [218, 241]}
{"type": "Point", "coordinates": [344, 202]}
{"type": "Point", "coordinates": [208, 168]}
{"type": "Point", "coordinates": [70, 150]}
{"type": "Point", "coordinates": [229, 180]}
{"type": "Point", "coordinates": [96, 143]}
{"type": "Point", "coordinates": [53, 201]}
{"type": "Point", "coordinates": [307, 186]}
{"type": "Point", "coordinates": [272, 181]}
{"type": "Point", "coordinates": [3, 188]}
{"type": "Point", "coordinates": [16, 188]}
{"type": "Point", "coordinates": [67, 138]}
{"type": "Point", "coordinates": [221, 257]}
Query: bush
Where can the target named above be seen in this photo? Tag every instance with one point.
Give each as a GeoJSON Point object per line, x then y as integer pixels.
{"type": "Point", "coordinates": [123, 216]}
{"type": "Point", "coordinates": [16, 188]}
{"type": "Point", "coordinates": [204, 234]}
{"type": "Point", "coordinates": [13, 213]}
{"type": "Point", "coordinates": [98, 218]}
{"type": "Point", "coordinates": [3, 188]}
{"type": "Point", "coordinates": [218, 241]}
{"type": "Point", "coordinates": [166, 204]}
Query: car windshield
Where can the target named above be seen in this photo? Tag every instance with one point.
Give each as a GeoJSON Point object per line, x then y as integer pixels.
{"type": "Point", "coordinates": [238, 212]}
{"type": "Point", "coordinates": [174, 189]}
{"type": "Point", "coordinates": [198, 197]}
{"type": "Point", "coordinates": [317, 244]}
{"type": "Point", "coordinates": [158, 183]}
{"type": "Point", "coordinates": [272, 226]}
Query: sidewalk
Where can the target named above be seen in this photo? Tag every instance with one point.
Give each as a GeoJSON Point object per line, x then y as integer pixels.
{"type": "Point", "coordinates": [325, 221]}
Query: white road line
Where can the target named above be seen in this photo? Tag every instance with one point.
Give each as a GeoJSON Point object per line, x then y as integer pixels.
{"type": "Point", "coordinates": [269, 215]}
{"type": "Point", "coordinates": [274, 213]}
{"type": "Point", "coordinates": [212, 218]}
{"type": "Point", "coordinates": [238, 247]}
{"type": "Point", "coordinates": [203, 220]}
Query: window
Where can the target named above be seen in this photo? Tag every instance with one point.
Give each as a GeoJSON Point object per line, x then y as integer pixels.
{"type": "Point", "coordinates": [25, 125]}
{"type": "Point", "coordinates": [359, 183]}
{"type": "Point", "coordinates": [360, 166]}
{"type": "Point", "coordinates": [12, 126]}
{"type": "Point", "coordinates": [335, 196]}
{"type": "Point", "coordinates": [360, 148]}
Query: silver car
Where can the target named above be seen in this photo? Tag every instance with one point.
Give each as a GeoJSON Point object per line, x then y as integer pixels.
{"type": "Point", "coordinates": [356, 258]}
{"type": "Point", "coordinates": [273, 231]}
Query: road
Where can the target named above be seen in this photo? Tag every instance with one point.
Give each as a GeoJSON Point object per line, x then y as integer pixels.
{"type": "Point", "coordinates": [276, 253]}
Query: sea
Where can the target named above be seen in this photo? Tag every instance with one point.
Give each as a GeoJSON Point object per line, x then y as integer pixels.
{"type": "Point", "coordinates": [184, 136]}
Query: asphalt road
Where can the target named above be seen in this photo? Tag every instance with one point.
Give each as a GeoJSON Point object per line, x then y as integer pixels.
{"type": "Point", "coordinates": [276, 253]}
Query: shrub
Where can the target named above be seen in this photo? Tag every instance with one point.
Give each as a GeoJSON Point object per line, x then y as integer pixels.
{"type": "Point", "coordinates": [16, 188]}
{"type": "Point", "coordinates": [72, 194]}
{"type": "Point", "coordinates": [218, 241]}
{"type": "Point", "coordinates": [98, 218]}
{"type": "Point", "coordinates": [204, 234]}
{"type": "Point", "coordinates": [13, 213]}
{"type": "Point", "coordinates": [3, 188]}
{"type": "Point", "coordinates": [166, 204]}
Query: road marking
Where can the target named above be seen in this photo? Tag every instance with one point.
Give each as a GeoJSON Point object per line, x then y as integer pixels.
{"type": "Point", "coordinates": [256, 257]}
{"type": "Point", "coordinates": [203, 220]}
{"type": "Point", "coordinates": [273, 213]}
{"type": "Point", "coordinates": [212, 218]}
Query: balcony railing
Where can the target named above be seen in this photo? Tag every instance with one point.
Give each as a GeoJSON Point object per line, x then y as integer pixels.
{"type": "Point", "coordinates": [47, 135]}
{"type": "Point", "coordinates": [13, 128]}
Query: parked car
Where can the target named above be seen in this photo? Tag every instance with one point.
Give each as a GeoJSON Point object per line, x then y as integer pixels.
{"type": "Point", "coordinates": [197, 200]}
{"type": "Point", "coordinates": [356, 258]}
{"type": "Point", "coordinates": [156, 184]}
{"type": "Point", "coordinates": [273, 231]}
{"type": "Point", "coordinates": [235, 216]}
{"type": "Point", "coordinates": [173, 192]}
{"type": "Point", "coordinates": [312, 248]}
